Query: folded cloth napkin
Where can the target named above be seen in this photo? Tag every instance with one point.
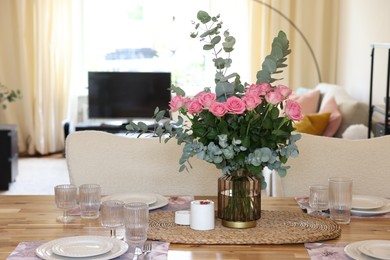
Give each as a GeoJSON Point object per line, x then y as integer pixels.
{"type": "Point", "coordinates": [26, 251]}
{"type": "Point", "coordinates": [303, 203]}
{"type": "Point", "coordinates": [319, 251]}
{"type": "Point", "coordinates": [178, 203]}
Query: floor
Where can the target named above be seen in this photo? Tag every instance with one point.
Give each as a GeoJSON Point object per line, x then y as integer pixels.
{"type": "Point", "coordinates": [38, 176]}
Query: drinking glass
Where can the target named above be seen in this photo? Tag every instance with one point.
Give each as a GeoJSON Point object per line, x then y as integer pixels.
{"type": "Point", "coordinates": [89, 199]}
{"type": "Point", "coordinates": [112, 215]}
{"type": "Point", "coordinates": [340, 199]}
{"type": "Point", "coordinates": [66, 199]}
{"type": "Point", "coordinates": [136, 219]}
{"type": "Point", "coordinates": [318, 198]}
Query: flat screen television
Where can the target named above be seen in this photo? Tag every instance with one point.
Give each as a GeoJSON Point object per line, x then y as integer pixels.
{"type": "Point", "coordinates": [127, 95]}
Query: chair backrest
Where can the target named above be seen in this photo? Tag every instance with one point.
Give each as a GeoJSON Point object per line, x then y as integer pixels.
{"type": "Point", "coordinates": [128, 164]}
{"type": "Point", "coordinates": [366, 161]}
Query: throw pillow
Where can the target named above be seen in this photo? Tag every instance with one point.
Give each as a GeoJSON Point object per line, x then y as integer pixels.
{"type": "Point", "coordinates": [308, 101]}
{"type": "Point", "coordinates": [314, 124]}
{"type": "Point", "coordinates": [334, 123]}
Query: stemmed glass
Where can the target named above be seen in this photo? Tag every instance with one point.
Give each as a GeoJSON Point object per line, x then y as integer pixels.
{"type": "Point", "coordinates": [112, 215]}
{"type": "Point", "coordinates": [318, 198]}
{"type": "Point", "coordinates": [66, 199]}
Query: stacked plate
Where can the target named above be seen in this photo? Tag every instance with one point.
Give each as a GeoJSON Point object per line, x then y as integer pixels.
{"type": "Point", "coordinates": [154, 201]}
{"type": "Point", "coordinates": [82, 247]}
{"type": "Point", "coordinates": [369, 250]}
{"type": "Point", "coordinates": [369, 205]}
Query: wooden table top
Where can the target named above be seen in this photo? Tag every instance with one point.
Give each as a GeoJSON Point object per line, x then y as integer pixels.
{"type": "Point", "coordinates": [33, 218]}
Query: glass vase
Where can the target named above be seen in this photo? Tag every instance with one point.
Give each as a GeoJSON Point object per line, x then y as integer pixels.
{"type": "Point", "coordinates": [239, 199]}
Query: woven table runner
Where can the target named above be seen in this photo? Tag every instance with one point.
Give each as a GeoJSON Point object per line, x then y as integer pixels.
{"type": "Point", "coordinates": [274, 227]}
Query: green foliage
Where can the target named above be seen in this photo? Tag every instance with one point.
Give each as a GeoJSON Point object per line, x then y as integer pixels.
{"type": "Point", "coordinates": [275, 60]}
{"type": "Point", "coordinates": [8, 96]}
{"type": "Point", "coordinates": [208, 31]}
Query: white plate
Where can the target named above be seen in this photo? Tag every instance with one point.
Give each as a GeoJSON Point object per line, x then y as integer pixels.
{"type": "Point", "coordinates": [148, 198]}
{"type": "Point", "coordinates": [376, 248]}
{"type": "Point", "coordinates": [82, 246]}
{"type": "Point", "coordinates": [119, 248]}
{"type": "Point", "coordinates": [161, 202]}
{"type": "Point", "coordinates": [362, 202]}
{"type": "Point", "coordinates": [383, 210]}
{"type": "Point", "coordinates": [352, 250]}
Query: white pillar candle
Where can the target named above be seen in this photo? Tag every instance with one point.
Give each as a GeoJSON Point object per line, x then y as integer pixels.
{"type": "Point", "coordinates": [202, 215]}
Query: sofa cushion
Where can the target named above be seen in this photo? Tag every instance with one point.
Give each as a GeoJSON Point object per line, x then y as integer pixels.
{"type": "Point", "coordinates": [308, 101]}
{"type": "Point", "coordinates": [335, 117]}
{"type": "Point", "coordinates": [352, 111]}
{"type": "Point", "coordinates": [314, 124]}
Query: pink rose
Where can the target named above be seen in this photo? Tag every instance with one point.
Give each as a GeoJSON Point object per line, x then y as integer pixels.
{"type": "Point", "coordinates": [176, 103]}
{"type": "Point", "coordinates": [218, 109]}
{"type": "Point", "coordinates": [207, 99]}
{"type": "Point", "coordinates": [274, 97]}
{"type": "Point", "coordinates": [260, 89]}
{"type": "Point", "coordinates": [186, 102]}
{"type": "Point", "coordinates": [197, 96]}
{"type": "Point", "coordinates": [293, 110]}
{"type": "Point", "coordinates": [235, 105]}
{"type": "Point", "coordinates": [251, 101]}
{"type": "Point", "coordinates": [195, 107]}
{"type": "Point", "coordinates": [284, 90]}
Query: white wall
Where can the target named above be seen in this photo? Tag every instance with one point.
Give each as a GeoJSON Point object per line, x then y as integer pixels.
{"type": "Point", "coordinates": [362, 23]}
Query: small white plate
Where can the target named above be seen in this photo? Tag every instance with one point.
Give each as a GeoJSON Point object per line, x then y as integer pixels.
{"type": "Point", "coordinates": [45, 251]}
{"type": "Point", "coordinates": [148, 198]}
{"type": "Point", "coordinates": [82, 246]}
{"type": "Point", "coordinates": [352, 250]}
{"type": "Point", "coordinates": [383, 210]}
{"type": "Point", "coordinates": [363, 202]}
{"type": "Point", "coordinates": [376, 248]}
{"type": "Point", "coordinates": [161, 202]}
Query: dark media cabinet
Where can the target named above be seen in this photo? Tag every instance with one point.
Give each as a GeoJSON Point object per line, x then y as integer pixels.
{"type": "Point", "coordinates": [101, 127]}
{"type": "Point", "coordinates": [8, 155]}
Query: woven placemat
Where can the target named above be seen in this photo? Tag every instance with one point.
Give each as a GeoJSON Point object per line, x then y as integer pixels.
{"type": "Point", "coordinates": [274, 227]}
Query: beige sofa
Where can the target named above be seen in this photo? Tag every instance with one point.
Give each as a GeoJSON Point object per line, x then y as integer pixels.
{"type": "Point", "coordinates": [352, 111]}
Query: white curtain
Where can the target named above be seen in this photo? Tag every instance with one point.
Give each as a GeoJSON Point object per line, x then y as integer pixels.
{"type": "Point", "coordinates": [317, 20]}
{"type": "Point", "coordinates": [35, 57]}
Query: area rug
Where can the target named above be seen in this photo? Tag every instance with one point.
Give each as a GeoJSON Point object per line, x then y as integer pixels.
{"type": "Point", "coordinates": [38, 176]}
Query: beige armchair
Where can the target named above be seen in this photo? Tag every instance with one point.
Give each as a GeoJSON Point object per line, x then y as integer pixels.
{"type": "Point", "coordinates": [128, 164]}
{"type": "Point", "coordinates": [366, 161]}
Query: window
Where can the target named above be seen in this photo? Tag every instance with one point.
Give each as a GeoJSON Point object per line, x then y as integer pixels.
{"type": "Point", "coordinates": [146, 35]}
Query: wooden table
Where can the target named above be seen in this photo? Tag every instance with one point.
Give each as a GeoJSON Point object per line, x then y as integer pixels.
{"type": "Point", "coordinates": [33, 218]}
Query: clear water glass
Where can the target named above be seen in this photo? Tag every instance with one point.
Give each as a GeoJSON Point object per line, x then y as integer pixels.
{"type": "Point", "coordinates": [319, 198]}
{"type": "Point", "coordinates": [65, 199]}
{"type": "Point", "coordinates": [340, 199]}
{"type": "Point", "coordinates": [136, 220]}
{"type": "Point", "coordinates": [89, 199]}
{"type": "Point", "coordinates": [112, 215]}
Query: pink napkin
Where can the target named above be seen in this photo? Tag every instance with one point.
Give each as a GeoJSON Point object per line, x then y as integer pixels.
{"type": "Point", "coordinates": [319, 251]}
{"type": "Point", "coordinates": [26, 251]}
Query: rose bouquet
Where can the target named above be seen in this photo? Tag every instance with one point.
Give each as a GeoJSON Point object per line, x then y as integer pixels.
{"type": "Point", "coordinates": [238, 126]}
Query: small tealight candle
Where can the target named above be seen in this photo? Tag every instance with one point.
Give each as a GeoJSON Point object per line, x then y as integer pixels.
{"type": "Point", "coordinates": [182, 217]}
{"type": "Point", "coordinates": [202, 215]}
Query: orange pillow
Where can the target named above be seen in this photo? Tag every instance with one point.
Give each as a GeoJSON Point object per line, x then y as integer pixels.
{"type": "Point", "coordinates": [335, 117]}
{"type": "Point", "coordinates": [314, 124]}
{"type": "Point", "coordinates": [309, 102]}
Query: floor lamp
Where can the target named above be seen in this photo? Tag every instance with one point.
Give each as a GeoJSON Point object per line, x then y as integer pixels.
{"type": "Point", "coordinates": [299, 32]}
